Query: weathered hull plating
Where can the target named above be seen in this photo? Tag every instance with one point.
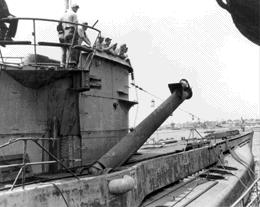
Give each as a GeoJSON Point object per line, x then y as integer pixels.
{"type": "Point", "coordinates": [149, 176]}
{"type": "Point", "coordinates": [219, 185]}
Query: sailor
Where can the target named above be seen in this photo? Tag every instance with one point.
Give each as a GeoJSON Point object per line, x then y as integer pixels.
{"type": "Point", "coordinates": [107, 42]}
{"type": "Point", "coordinates": [82, 36]}
{"type": "Point", "coordinates": [121, 51]}
{"type": "Point", "coordinates": [60, 31]}
{"type": "Point", "coordinates": [70, 34]}
{"type": "Point", "coordinates": [99, 43]}
{"type": "Point", "coordinates": [7, 33]}
{"type": "Point", "coordinates": [107, 47]}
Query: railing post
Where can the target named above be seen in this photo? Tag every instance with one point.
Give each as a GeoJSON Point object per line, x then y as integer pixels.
{"type": "Point", "coordinates": [257, 194]}
{"type": "Point", "coordinates": [16, 178]}
{"type": "Point", "coordinates": [34, 41]}
{"type": "Point", "coordinates": [1, 58]}
{"type": "Point", "coordinates": [53, 157]}
{"type": "Point", "coordinates": [24, 162]}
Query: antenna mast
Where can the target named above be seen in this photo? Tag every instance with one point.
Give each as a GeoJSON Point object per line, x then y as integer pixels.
{"type": "Point", "coordinates": [67, 4]}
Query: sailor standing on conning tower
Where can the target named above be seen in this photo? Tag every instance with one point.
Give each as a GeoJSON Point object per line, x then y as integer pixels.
{"type": "Point", "coordinates": [82, 38]}
{"type": "Point", "coordinates": [69, 30]}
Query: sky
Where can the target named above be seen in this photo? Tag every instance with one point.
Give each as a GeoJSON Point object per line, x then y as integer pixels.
{"type": "Point", "coordinates": [169, 40]}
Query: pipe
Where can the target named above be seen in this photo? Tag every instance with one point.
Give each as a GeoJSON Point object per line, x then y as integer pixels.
{"type": "Point", "coordinates": [129, 144]}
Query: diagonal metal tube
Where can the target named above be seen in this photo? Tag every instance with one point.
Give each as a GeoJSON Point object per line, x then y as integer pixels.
{"type": "Point", "coordinates": [129, 144]}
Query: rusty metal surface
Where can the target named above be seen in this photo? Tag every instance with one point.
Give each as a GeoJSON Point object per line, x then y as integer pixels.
{"type": "Point", "coordinates": [103, 116]}
{"type": "Point", "coordinates": [28, 111]}
{"type": "Point", "coordinates": [149, 176]}
{"type": "Point", "coordinates": [229, 189]}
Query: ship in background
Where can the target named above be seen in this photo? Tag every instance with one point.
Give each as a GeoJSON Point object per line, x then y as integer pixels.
{"type": "Point", "coordinates": [65, 138]}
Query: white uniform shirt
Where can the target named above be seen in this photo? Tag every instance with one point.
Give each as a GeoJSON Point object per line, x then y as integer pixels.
{"type": "Point", "coordinates": [83, 37]}
{"type": "Point", "coordinates": [69, 16]}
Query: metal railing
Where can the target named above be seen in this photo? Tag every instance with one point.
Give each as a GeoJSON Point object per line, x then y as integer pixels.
{"type": "Point", "coordinates": [25, 164]}
{"type": "Point", "coordinates": [34, 34]}
{"type": "Point", "coordinates": [251, 197]}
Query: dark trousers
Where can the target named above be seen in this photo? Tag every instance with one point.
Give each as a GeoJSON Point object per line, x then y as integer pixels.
{"type": "Point", "coordinates": [71, 36]}
{"type": "Point", "coordinates": [8, 32]}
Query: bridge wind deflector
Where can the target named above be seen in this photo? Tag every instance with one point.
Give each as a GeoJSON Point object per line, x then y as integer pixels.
{"type": "Point", "coordinates": [129, 144]}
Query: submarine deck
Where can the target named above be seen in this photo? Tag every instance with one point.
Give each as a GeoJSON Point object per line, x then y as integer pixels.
{"type": "Point", "coordinates": [217, 186]}
{"type": "Point", "coordinates": [146, 152]}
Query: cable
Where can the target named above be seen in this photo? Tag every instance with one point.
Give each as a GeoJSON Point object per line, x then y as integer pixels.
{"type": "Point", "coordinates": [223, 166]}
{"type": "Point", "coordinates": [137, 99]}
{"type": "Point", "coordinates": [187, 112]}
{"type": "Point", "coordinates": [57, 188]}
{"type": "Point", "coordinates": [238, 159]}
{"type": "Point", "coordinates": [145, 91]}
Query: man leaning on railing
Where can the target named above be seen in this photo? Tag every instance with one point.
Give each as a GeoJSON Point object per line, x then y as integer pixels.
{"type": "Point", "coordinates": [82, 38]}
{"type": "Point", "coordinates": [7, 33]}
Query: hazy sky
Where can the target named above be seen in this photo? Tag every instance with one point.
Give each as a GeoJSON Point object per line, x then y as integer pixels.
{"type": "Point", "coordinates": [169, 40]}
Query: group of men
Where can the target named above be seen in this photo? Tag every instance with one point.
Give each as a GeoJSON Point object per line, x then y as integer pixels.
{"type": "Point", "coordinates": [7, 33]}
{"type": "Point", "coordinates": [70, 33]}
{"type": "Point", "coordinates": [104, 44]}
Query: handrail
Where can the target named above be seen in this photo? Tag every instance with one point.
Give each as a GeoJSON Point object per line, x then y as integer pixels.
{"type": "Point", "coordinates": [240, 201]}
{"type": "Point", "coordinates": [50, 20]}
{"type": "Point", "coordinates": [13, 140]}
{"type": "Point", "coordinates": [24, 164]}
{"type": "Point", "coordinates": [28, 163]}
